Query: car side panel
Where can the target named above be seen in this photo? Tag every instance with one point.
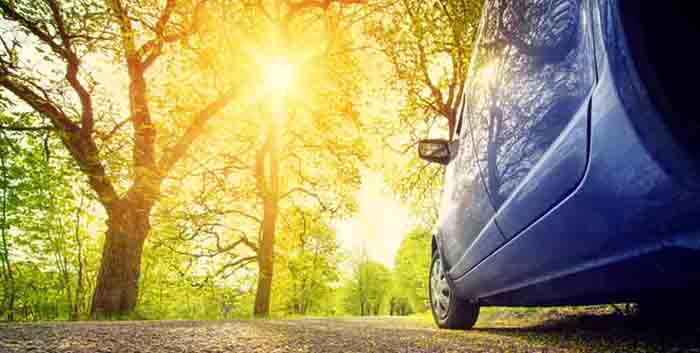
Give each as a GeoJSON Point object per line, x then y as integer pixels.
{"type": "Point", "coordinates": [539, 92]}
{"type": "Point", "coordinates": [465, 210]}
{"type": "Point", "coordinates": [629, 229]}
{"type": "Point", "coordinates": [561, 170]}
{"type": "Point", "coordinates": [624, 206]}
{"type": "Point", "coordinates": [467, 230]}
{"type": "Point", "coordinates": [523, 108]}
{"type": "Point", "coordinates": [489, 240]}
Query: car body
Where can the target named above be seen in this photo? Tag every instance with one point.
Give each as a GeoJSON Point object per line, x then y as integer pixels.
{"type": "Point", "coordinates": [573, 178]}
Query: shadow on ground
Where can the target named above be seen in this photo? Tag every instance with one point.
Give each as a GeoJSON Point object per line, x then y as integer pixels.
{"type": "Point", "coordinates": [609, 332]}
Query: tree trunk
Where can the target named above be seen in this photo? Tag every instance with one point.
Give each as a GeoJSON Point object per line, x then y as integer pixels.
{"type": "Point", "coordinates": [75, 310]}
{"type": "Point", "coordinates": [266, 260]}
{"type": "Point", "coordinates": [7, 272]}
{"type": "Point", "coordinates": [268, 187]}
{"type": "Point", "coordinates": [117, 282]}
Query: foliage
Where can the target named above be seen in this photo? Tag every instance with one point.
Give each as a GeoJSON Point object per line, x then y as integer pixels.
{"type": "Point", "coordinates": [427, 45]}
{"type": "Point", "coordinates": [151, 149]}
{"type": "Point", "coordinates": [278, 150]}
{"type": "Point", "coordinates": [366, 291]}
{"type": "Point", "coordinates": [306, 263]}
{"type": "Point", "coordinates": [411, 268]}
{"type": "Point", "coordinates": [48, 257]}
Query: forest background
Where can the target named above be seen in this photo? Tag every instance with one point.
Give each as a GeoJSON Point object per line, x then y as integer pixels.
{"type": "Point", "coordinates": [217, 159]}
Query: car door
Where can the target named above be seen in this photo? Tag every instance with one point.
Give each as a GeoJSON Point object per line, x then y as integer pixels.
{"type": "Point", "coordinates": [466, 227]}
{"type": "Point", "coordinates": [467, 212]}
{"type": "Point", "coordinates": [466, 223]}
{"type": "Point", "coordinates": [528, 105]}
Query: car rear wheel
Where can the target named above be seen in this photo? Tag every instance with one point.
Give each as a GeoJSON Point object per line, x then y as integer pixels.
{"type": "Point", "coordinates": [449, 312]}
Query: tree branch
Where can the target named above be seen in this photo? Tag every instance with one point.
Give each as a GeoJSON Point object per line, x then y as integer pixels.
{"type": "Point", "coordinates": [177, 151]}
{"type": "Point", "coordinates": [82, 148]}
{"type": "Point", "coordinates": [144, 154]}
{"type": "Point", "coordinates": [312, 194]}
{"type": "Point", "coordinates": [153, 48]}
{"type": "Point", "coordinates": [238, 264]}
{"type": "Point", "coordinates": [243, 214]}
{"type": "Point", "coordinates": [27, 128]}
{"type": "Point", "coordinates": [73, 66]}
{"type": "Point", "coordinates": [8, 10]}
{"type": "Point", "coordinates": [115, 129]}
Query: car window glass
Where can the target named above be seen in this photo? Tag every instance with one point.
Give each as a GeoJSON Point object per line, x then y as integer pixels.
{"type": "Point", "coordinates": [531, 73]}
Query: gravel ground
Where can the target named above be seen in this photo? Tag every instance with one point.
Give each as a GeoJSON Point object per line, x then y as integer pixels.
{"type": "Point", "coordinates": [497, 331]}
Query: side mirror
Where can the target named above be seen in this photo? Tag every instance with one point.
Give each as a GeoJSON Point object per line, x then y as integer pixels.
{"type": "Point", "coordinates": [435, 151]}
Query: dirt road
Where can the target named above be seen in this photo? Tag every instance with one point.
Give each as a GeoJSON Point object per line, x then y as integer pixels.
{"type": "Point", "coordinates": [555, 331]}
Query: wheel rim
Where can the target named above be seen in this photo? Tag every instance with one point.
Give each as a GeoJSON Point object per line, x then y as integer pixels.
{"type": "Point", "coordinates": [439, 290]}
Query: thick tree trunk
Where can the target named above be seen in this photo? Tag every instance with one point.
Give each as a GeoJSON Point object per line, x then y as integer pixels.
{"type": "Point", "coordinates": [117, 281]}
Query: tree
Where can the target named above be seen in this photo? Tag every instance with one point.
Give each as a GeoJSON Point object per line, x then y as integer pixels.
{"type": "Point", "coordinates": [428, 45]}
{"type": "Point", "coordinates": [399, 306]}
{"type": "Point", "coordinates": [7, 268]}
{"type": "Point", "coordinates": [268, 179]}
{"type": "Point", "coordinates": [302, 148]}
{"type": "Point", "coordinates": [75, 34]}
{"type": "Point", "coordinates": [307, 261]}
{"type": "Point", "coordinates": [139, 93]}
{"type": "Point", "coordinates": [367, 289]}
{"type": "Point", "coordinates": [412, 267]}
{"type": "Point", "coordinates": [42, 215]}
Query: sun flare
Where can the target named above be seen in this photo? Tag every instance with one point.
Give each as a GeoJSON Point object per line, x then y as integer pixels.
{"type": "Point", "coordinates": [279, 75]}
{"type": "Point", "coordinates": [487, 74]}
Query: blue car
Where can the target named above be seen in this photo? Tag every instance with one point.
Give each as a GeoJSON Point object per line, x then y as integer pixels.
{"type": "Point", "coordinates": [573, 177]}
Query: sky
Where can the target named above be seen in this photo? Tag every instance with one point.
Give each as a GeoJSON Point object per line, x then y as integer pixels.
{"type": "Point", "coordinates": [382, 221]}
{"type": "Point", "coordinates": [379, 225]}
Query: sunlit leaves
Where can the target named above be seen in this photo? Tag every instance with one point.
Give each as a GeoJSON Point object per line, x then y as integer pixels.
{"type": "Point", "coordinates": [47, 254]}
{"type": "Point", "coordinates": [427, 46]}
{"type": "Point", "coordinates": [410, 271]}
{"type": "Point", "coordinates": [307, 264]}
{"type": "Point", "coordinates": [367, 291]}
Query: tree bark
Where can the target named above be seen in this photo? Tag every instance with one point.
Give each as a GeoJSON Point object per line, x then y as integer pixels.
{"type": "Point", "coordinates": [117, 282]}
{"type": "Point", "coordinates": [268, 187]}
{"type": "Point", "coordinates": [266, 261]}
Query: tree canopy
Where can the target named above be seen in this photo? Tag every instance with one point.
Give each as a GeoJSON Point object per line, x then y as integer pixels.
{"type": "Point", "coordinates": [192, 158]}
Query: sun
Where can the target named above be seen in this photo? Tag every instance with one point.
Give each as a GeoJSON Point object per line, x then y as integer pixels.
{"type": "Point", "coordinates": [279, 75]}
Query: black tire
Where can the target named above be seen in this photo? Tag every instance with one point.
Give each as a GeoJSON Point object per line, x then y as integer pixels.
{"type": "Point", "coordinates": [456, 314]}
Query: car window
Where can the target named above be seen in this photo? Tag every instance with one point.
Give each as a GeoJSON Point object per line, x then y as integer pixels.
{"type": "Point", "coordinates": [540, 28]}
{"type": "Point", "coordinates": [531, 73]}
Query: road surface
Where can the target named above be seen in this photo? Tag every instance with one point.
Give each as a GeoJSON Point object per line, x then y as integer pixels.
{"type": "Point", "coordinates": [519, 332]}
